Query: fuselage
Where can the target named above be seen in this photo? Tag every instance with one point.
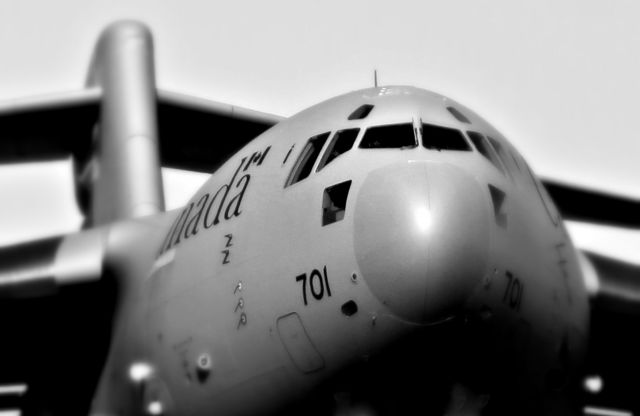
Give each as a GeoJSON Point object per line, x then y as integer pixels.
{"type": "Point", "coordinates": [334, 236]}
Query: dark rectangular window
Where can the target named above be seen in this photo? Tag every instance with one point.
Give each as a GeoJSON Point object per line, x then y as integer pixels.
{"type": "Point", "coordinates": [334, 202]}
{"type": "Point", "coordinates": [307, 158]}
{"type": "Point", "coordinates": [443, 138]}
{"type": "Point", "coordinates": [342, 142]}
{"type": "Point", "coordinates": [393, 136]}
{"type": "Point", "coordinates": [485, 149]}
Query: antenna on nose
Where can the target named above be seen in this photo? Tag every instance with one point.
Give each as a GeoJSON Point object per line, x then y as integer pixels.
{"type": "Point", "coordinates": [375, 78]}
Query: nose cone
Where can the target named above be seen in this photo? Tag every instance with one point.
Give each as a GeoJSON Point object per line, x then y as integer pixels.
{"type": "Point", "coordinates": [421, 238]}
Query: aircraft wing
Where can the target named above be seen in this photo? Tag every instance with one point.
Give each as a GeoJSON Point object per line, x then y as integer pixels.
{"type": "Point", "coordinates": [582, 204]}
{"type": "Point", "coordinates": [48, 127]}
{"type": "Point", "coordinates": [195, 134]}
{"type": "Point", "coordinates": [58, 297]}
{"type": "Point", "coordinates": [40, 331]}
{"type": "Point", "coordinates": [614, 288]}
{"type": "Point", "coordinates": [192, 130]}
{"type": "Point", "coordinates": [614, 285]}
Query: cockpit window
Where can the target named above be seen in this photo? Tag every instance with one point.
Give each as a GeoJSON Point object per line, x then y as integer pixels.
{"type": "Point", "coordinates": [443, 138]}
{"type": "Point", "coordinates": [342, 142]}
{"type": "Point", "coordinates": [334, 202]}
{"type": "Point", "coordinates": [307, 158]}
{"type": "Point", "coordinates": [393, 136]}
{"type": "Point", "coordinates": [483, 146]}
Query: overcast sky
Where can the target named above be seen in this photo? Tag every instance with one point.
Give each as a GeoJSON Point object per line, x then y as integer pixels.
{"type": "Point", "coordinates": [559, 79]}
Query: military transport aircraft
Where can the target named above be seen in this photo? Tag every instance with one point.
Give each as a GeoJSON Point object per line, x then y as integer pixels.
{"type": "Point", "coordinates": [385, 252]}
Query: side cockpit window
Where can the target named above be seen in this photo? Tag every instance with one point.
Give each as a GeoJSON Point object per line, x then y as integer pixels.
{"type": "Point", "coordinates": [307, 158]}
{"type": "Point", "coordinates": [485, 149]}
{"type": "Point", "coordinates": [393, 136]}
{"type": "Point", "coordinates": [443, 138]}
{"type": "Point", "coordinates": [342, 142]}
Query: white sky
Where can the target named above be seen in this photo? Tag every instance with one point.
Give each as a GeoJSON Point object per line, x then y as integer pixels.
{"type": "Point", "coordinates": [559, 79]}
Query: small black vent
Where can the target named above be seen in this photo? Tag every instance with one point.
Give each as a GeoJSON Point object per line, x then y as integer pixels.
{"type": "Point", "coordinates": [361, 112]}
{"type": "Point", "coordinates": [458, 115]}
{"type": "Point", "coordinates": [349, 308]}
{"type": "Point", "coordinates": [334, 202]}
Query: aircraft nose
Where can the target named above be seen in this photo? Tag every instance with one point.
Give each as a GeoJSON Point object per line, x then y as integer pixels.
{"type": "Point", "coordinates": [421, 237]}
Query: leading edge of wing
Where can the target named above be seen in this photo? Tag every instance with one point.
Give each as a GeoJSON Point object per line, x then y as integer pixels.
{"type": "Point", "coordinates": [15, 106]}
{"type": "Point", "coordinates": [214, 107]}
{"type": "Point", "coordinates": [48, 127]}
{"type": "Point", "coordinates": [199, 135]}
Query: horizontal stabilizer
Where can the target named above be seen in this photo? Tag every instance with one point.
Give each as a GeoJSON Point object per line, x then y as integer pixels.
{"type": "Point", "coordinates": [195, 134]}
{"type": "Point", "coordinates": [581, 204]}
{"type": "Point", "coordinates": [50, 127]}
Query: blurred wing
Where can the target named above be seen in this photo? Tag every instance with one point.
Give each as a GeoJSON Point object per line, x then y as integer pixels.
{"type": "Point", "coordinates": [48, 127]}
{"type": "Point", "coordinates": [195, 134]}
{"type": "Point", "coordinates": [43, 334]}
{"type": "Point", "coordinates": [614, 288]}
{"type": "Point", "coordinates": [199, 135]}
{"type": "Point", "coordinates": [615, 313]}
{"type": "Point", "coordinates": [581, 204]}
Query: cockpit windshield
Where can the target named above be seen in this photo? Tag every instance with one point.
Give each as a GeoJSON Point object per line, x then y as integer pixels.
{"type": "Point", "coordinates": [392, 136]}
{"type": "Point", "coordinates": [443, 138]}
